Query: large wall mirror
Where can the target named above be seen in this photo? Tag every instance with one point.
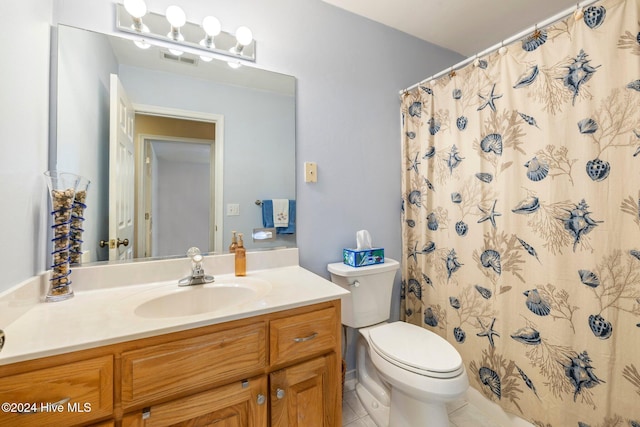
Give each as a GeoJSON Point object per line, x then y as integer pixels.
{"type": "Point", "coordinates": [209, 141]}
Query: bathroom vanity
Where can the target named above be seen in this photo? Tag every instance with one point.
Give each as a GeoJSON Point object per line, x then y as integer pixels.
{"type": "Point", "coordinates": [271, 362]}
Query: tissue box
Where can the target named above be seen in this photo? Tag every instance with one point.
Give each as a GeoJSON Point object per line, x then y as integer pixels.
{"type": "Point", "coordinates": [362, 257]}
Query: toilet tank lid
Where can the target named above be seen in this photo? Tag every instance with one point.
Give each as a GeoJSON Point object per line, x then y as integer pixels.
{"type": "Point", "coordinates": [344, 270]}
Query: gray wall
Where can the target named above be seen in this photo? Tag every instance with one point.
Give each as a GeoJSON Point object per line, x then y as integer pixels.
{"type": "Point", "coordinates": [182, 214]}
{"type": "Point", "coordinates": [24, 118]}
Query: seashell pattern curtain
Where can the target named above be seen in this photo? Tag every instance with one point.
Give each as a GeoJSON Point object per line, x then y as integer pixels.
{"type": "Point", "coordinates": [521, 219]}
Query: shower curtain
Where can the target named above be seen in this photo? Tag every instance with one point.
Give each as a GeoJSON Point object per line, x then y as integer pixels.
{"type": "Point", "coordinates": [521, 218]}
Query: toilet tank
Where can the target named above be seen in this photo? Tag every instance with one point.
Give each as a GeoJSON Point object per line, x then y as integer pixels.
{"type": "Point", "coordinates": [370, 287]}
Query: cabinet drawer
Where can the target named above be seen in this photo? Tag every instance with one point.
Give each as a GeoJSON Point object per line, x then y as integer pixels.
{"type": "Point", "coordinates": [168, 369]}
{"type": "Point", "coordinates": [84, 390]}
{"type": "Point", "coordinates": [303, 335]}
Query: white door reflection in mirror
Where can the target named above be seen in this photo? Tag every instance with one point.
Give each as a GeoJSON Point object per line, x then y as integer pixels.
{"type": "Point", "coordinates": [121, 168]}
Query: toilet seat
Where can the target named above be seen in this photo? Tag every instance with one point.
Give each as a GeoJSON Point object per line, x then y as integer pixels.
{"type": "Point", "coordinates": [416, 349]}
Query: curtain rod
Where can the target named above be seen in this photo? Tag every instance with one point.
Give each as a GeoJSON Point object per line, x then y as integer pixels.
{"type": "Point", "coordinates": [555, 18]}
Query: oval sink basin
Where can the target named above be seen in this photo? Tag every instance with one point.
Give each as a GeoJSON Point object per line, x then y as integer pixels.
{"type": "Point", "coordinates": [200, 299]}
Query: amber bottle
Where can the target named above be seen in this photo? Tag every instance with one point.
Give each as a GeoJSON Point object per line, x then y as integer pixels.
{"type": "Point", "coordinates": [234, 243]}
{"type": "Point", "coordinates": [241, 257]}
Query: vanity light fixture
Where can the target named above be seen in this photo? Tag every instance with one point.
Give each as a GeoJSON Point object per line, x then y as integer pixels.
{"type": "Point", "coordinates": [184, 35]}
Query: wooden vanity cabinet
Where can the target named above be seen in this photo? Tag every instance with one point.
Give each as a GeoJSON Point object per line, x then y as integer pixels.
{"type": "Point", "coordinates": [280, 369]}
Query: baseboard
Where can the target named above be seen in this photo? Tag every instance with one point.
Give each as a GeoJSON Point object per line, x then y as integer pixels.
{"type": "Point", "coordinates": [350, 380]}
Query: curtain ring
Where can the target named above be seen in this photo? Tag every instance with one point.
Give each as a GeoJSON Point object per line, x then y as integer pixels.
{"type": "Point", "coordinates": [578, 14]}
{"type": "Point", "coordinates": [502, 49]}
{"type": "Point", "coordinates": [536, 32]}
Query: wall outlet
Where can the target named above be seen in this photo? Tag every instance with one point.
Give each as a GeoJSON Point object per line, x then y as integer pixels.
{"type": "Point", "coordinates": [233, 209]}
{"type": "Point", "coordinates": [310, 172]}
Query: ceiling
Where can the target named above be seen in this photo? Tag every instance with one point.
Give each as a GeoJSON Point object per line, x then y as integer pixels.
{"type": "Point", "coordinates": [464, 26]}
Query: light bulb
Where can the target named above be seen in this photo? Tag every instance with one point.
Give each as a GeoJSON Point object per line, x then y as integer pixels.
{"type": "Point", "coordinates": [142, 44]}
{"type": "Point", "coordinates": [234, 64]}
{"type": "Point", "coordinates": [176, 16]}
{"type": "Point", "coordinates": [135, 8]}
{"type": "Point", "coordinates": [206, 58]}
{"type": "Point", "coordinates": [244, 35]}
{"type": "Point", "coordinates": [175, 52]}
{"type": "Point", "coordinates": [211, 26]}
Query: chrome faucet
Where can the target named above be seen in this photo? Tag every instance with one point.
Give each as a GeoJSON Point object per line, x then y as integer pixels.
{"type": "Point", "coordinates": [197, 271]}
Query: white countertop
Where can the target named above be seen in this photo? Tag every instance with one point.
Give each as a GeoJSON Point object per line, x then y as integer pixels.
{"type": "Point", "coordinates": [97, 317]}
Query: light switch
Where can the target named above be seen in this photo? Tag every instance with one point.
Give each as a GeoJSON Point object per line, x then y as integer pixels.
{"type": "Point", "coordinates": [233, 209]}
{"type": "Point", "coordinates": [310, 172]}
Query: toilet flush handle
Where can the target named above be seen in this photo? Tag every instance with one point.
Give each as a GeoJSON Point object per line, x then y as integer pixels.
{"type": "Point", "coordinates": [355, 284]}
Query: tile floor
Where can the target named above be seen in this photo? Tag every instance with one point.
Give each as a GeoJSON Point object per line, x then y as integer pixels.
{"type": "Point", "coordinates": [461, 414]}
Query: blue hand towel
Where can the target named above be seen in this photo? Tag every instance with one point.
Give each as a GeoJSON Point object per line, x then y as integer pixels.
{"type": "Point", "coordinates": [267, 217]}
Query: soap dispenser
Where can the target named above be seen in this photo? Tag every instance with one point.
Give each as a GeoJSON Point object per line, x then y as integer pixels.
{"type": "Point", "coordinates": [241, 257]}
{"type": "Point", "coordinates": [234, 243]}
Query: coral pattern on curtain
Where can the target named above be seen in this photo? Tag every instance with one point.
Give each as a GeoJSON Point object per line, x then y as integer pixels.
{"type": "Point", "coordinates": [521, 218]}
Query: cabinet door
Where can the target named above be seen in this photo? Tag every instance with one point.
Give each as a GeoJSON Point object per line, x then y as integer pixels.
{"type": "Point", "coordinates": [306, 394]}
{"type": "Point", "coordinates": [240, 404]}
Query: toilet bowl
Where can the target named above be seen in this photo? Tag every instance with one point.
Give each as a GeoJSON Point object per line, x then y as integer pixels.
{"type": "Point", "coordinates": [422, 369]}
{"type": "Point", "coordinates": [405, 374]}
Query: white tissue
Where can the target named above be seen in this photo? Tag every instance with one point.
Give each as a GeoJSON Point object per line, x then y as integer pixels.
{"type": "Point", "coordinates": [363, 240]}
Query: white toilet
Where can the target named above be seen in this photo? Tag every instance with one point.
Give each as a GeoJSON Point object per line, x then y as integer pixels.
{"type": "Point", "coordinates": [405, 373]}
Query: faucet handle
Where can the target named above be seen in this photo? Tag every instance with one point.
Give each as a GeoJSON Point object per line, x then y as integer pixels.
{"type": "Point", "coordinates": [198, 277]}
{"type": "Point", "coordinates": [196, 257]}
{"type": "Point", "coordinates": [196, 261]}
{"type": "Point", "coordinates": [193, 251]}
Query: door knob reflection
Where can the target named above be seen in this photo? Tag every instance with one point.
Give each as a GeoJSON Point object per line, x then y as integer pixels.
{"type": "Point", "coordinates": [113, 244]}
